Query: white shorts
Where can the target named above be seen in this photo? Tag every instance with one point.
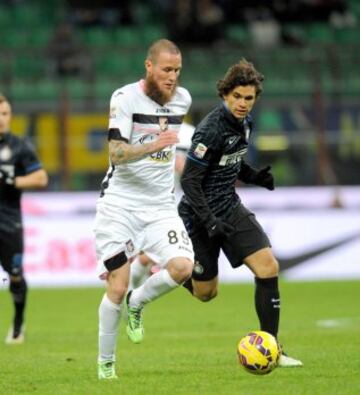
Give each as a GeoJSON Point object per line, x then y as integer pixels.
{"type": "Point", "coordinates": [160, 234]}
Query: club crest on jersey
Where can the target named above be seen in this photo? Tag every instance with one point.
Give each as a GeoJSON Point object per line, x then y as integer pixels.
{"type": "Point", "coordinates": [163, 123]}
{"type": "Point", "coordinates": [198, 269]}
{"type": "Point", "coordinates": [130, 246]}
{"type": "Point", "coordinates": [200, 150]}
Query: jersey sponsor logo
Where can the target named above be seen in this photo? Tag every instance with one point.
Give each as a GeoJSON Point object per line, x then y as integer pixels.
{"type": "Point", "coordinates": [163, 123]}
{"type": "Point", "coordinates": [231, 159]}
{"type": "Point", "coordinates": [161, 156]}
{"type": "Point", "coordinates": [9, 170]}
{"type": "Point", "coordinates": [5, 153]}
{"type": "Point", "coordinates": [200, 150]}
{"type": "Point", "coordinates": [231, 140]}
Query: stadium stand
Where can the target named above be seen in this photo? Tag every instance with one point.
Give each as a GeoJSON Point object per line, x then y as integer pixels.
{"type": "Point", "coordinates": [315, 59]}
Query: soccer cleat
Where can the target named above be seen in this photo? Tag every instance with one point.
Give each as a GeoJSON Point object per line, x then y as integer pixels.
{"type": "Point", "coordinates": [106, 370]}
{"type": "Point", "coordinates": [15, 338]}
{"type": "Point", "coordinates": [134, 328]}
{"type": "Point", "coordinates": [288, 362]}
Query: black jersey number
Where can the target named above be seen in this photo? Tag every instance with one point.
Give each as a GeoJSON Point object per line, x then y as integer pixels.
{"type": "Point", "coordinates": [173, 237]}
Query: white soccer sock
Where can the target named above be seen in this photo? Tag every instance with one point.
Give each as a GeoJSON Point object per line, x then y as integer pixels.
{"type": "Point", "coordinates": [158, 284]}
{"type": "Point", "coordinates": [138, 273]}
{"type": "Point", "coordinates": [109, 318]}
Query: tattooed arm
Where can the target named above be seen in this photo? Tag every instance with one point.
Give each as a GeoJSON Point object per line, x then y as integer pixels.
{"type": "Point", "coordinates": [121, 152]}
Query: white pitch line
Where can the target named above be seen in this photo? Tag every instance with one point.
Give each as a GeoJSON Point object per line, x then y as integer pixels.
{"type": "Point", "coordinates": [338, 322]}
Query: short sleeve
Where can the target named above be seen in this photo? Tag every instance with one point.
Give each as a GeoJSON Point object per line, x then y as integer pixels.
{"type": "Point", "coordinates": [120, 114]}
{"type": "Point", "coordinates": [28, 161]}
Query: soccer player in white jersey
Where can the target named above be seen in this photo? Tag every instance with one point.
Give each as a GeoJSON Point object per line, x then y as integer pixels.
{"type": "Point", "coordinates": [136, 210]}
{"type": "Point", "coordinates": [142, 266]}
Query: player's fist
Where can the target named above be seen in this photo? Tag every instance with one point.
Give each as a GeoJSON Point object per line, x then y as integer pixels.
{"type": "Point", "coordinates": [264, 178]}
{"type": "Point", "coordinates": [217, 228]}
{"type": "Point", "coordinates": [165, 139]}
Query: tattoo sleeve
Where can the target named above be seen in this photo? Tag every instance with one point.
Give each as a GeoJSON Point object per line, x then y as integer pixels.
{"type": "Point", "coordinates": [121, 152]}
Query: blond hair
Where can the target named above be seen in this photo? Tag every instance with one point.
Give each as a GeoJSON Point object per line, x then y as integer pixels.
{"type": "Point", "coordinates": [162, 45]}
{"type": "Point", "coordinates": [3, 98]}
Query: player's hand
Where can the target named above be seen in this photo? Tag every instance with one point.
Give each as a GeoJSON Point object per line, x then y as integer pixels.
{"type": "Point", "coordinates": [217, 228]}
{"type": "Point", "coordinates": [6, 178]}
{"type": "Point", "coordinates": [165, 139]}
{"type": "Point", "coordinates": [264, 178]}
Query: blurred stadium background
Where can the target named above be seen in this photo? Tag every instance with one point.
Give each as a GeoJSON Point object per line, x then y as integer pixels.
{"type": "Point", "coordinates": [61, 60]}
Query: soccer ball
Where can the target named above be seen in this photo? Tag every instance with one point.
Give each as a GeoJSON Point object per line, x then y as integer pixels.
{"type": "Point", "coordinates": [258, 352]}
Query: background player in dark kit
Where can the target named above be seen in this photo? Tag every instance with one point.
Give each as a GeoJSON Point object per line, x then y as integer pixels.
{"type": "Point", "coordinates": [19, 169]}
{"type": "Point", "coordinates": [212, 212]}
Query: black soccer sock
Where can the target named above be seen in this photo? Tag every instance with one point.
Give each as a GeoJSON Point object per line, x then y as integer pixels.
{"type": "Point", "coordinates": [188, 285]}
{"type": "Point", "coordinates": [18, 290]}
{"type": "Point", "coordinates": [267, 304]}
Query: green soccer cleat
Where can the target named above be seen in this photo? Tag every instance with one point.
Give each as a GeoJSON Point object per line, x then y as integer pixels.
{"type": "Point", "coordinates": [106, 370]}
{"type": "Point", "coordinates": [134, 328]}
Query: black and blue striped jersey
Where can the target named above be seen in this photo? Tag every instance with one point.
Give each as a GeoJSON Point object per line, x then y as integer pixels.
{"type": "Point", "coordinates": [219, 143]}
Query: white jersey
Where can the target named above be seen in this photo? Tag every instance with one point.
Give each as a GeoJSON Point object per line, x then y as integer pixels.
{"type": "Point", "coordinates": [185, 135]}
{"type": "Point", "coordinates": [148, 182]}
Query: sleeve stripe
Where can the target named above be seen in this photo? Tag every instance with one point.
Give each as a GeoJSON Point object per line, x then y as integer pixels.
{"type": "Point", "coordinates": [202, 163]}
{"type": "Point", "coordinates": [115, 134]}
{"type": "Point", "coordinates": [33, 167]}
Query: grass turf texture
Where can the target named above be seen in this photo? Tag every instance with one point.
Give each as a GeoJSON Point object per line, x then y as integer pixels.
{"type": "Point", "coordinates": [189, 346]}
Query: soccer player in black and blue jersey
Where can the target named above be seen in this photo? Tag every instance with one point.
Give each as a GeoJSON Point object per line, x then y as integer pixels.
{"type": "Point", "coordinates": [19, 169]}
{"type": "Point", "coordinates": [213, 213]}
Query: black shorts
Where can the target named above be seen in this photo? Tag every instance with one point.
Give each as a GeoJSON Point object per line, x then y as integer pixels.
{"type": "Point", "coordinates": [248, 238]}
{"type": "Point", "coordinates": [11, 251]}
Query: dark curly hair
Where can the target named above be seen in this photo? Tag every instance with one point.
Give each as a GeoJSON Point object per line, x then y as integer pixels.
{"type": "Point", "coordinates": [240, 74]}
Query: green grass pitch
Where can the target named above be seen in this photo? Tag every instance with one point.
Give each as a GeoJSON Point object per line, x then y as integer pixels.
{"type": "Point", "coordinates": [189, 346]}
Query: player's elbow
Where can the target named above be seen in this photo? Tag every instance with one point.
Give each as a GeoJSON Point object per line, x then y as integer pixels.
{"type": "Point", "coordinates": [43, 180]}
{"type": "Point", "coordinates": [38, 180]}
{"type": "Point", "coordinates": [118, 152]}
{"type": "Point", "coordinates": [185, 182]}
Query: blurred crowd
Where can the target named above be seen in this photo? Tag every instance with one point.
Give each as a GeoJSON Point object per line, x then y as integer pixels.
{"type": "Point", "coordinates": [198, 21]}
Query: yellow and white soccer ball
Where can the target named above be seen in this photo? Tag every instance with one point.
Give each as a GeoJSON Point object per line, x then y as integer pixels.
{"type": "Point", "coordinates": [258, 352]}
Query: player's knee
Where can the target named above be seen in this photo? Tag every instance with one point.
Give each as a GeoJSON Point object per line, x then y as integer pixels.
{"type": "Point", "coordinates": [180, 269]}
{"type": "Point", "coordinates": [206, 296]}
{"type": "Point", "coordinates": [17, 283]}
{"type": "Point", "coordinates": [117, 292]}
{"type": "Point", "coordinates": [269, 268]}
{"type": "Point", "coordinates": [185, 271]}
